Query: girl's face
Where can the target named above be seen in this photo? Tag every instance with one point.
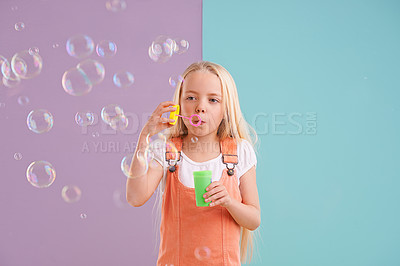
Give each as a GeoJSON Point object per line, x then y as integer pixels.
{"type": "Point", "coordinates": [202, 95]}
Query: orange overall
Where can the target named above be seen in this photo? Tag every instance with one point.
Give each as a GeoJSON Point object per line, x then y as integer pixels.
{"type": "Point", "coordinates": [186, 227]}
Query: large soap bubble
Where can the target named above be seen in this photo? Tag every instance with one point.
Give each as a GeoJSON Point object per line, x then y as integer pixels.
{"type": "Point", "coordinates": [39, 121]}
{"type": "Point", "coordinates": [80, 46]}
{"type": "Point", "coordinates": [93, 70]}
{"type": "Point", "coordinates": [162, 48]}
{"type": "Point", "coordinates": [26, 65]}
{"type": "Point", "coordinates": [40, 174]}
{"type": "Point", "coordinates": [76, 83]}
{"type": "Point", "coordinates": [106, 49]}
{"type": "Point", "coordinates": [123, 79]}
{"type": "Point", "coordinates": [114, 116]}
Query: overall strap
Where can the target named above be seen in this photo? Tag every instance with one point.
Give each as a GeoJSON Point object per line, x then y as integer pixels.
{"type": "Point", "coordinates": [229, 153]}
{"type": "Point", "coordinates": [173, 152]}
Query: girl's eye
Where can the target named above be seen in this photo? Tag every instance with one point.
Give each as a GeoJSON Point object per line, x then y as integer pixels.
{"type": "Point", "coordinates": [214, 100]}
{"type": "Point", "coordinates": [189, 98]}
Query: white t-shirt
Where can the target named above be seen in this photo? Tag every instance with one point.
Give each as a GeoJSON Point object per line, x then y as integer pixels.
{"type": "Point", "coordinates": [246, 160]}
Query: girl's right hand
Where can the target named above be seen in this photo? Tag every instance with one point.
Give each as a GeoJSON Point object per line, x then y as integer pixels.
{"type": "Point", "coordinates": [156, 123]}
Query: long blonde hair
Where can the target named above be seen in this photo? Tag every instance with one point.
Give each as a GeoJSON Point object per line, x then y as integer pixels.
{"type": "Point", "coordinates": [233, 124]}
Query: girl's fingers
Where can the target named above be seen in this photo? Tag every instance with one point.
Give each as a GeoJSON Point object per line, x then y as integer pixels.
{"type": "Point", "coordinates": [166, 120]}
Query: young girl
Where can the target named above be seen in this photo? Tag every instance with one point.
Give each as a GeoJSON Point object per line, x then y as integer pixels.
{"type": "Point", "coordinates": [218, 234]}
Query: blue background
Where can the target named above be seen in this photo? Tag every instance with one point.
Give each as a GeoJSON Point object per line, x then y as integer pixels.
{"type": "Point", "coordinates": [329, 197]}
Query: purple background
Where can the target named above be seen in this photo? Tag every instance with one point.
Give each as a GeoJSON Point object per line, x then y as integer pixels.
{"type": "Point", "coordinates": [37, 227]}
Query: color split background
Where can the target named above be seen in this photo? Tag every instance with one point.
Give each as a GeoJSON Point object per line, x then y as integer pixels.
{"type": "Point", "coordinates": [316, 79]}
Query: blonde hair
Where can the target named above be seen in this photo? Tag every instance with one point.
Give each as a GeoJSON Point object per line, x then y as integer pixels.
{"type": "Point", "coordinates": [233, 124]}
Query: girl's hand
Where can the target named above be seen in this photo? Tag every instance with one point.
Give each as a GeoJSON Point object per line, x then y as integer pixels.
{"type": "Point", "coordinates": [217, 193]}
{"type": "Point", "coordinates": [156, 123]}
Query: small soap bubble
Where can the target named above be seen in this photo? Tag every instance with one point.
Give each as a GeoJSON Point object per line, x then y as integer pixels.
{"type": "Point", "coordinates": [76, 83]}
{"type": "Point", "coordinates": [123, 79]}
{"type": "Point", "coordinates": [80, 46]}
{"type": "Point", "coordinates": [93, 70]}
{"type": "Point", "coordinates": [181, 46]}
{"type": "Point", "coordinates": [71, 194]}
{"type": "Point", "coordinates": [14, 8]}
{"type": "Point", "coordinates": [40, 174]}
{"type": "Point", "coordinates": [174, 80]}
{"type": "Point", "coordinates": [84, 118]}
{"type": "Point", "coordinates": [39, 121]}
{"type": "Point", "coordinates": [106, 49]}
{"type": "Point", "coordinates": [95, 134]}
{"type": "Point", "coordinates": [17, 156]}
{"type": "Point", "coordinates": [23, 100]}
{"type": "Point", "coordinates": [2, 105]}
{"type": "Point", "coordinates": [19, 26]}
{"type": "Point", "coordinates": [56, 45]}
{"type": "Point", "coordinates": [83, 216]}
{"type": "Point", "coordinates": [26, 65]}
{"type": "Point", "coordinates": [116, 5]}
{"type": "Point", "coordinates": [194, 139]}
{"type": "Point", "coordinates": [202, 253]}
{"type": "Point", "coordinates": [33, 50]}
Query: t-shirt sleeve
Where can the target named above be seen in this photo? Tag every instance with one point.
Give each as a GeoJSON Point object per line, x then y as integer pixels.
{"type": "Point", "coordinates": [246, 157]}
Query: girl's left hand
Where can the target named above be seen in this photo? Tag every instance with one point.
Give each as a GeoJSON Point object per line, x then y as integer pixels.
{"type": "Point", "coordinates": [217, 193]}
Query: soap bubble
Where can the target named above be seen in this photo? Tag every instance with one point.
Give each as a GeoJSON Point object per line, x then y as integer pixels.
{"type": "Point", "coordinates": [83, 216]}
{"type": "Point", "coordinates": [114, 116]}
{"type": "Point", "coordinates": [116, 5]}
{"type": "Point", "coordinates": [39, 121]}
{"type": "Point", "coordinates": [33, 50]}
{"type": "Point", "coordinates": [17, 156]}
{"type": "Point", "coordinates": [93, 70]}
{"type": "Point", "coordinates": [123, 79]}
{"type": "Point", "coordinates": [71, 194]}
{"type": "Point", "coordinates": [19, 26]}
{"type": "Point", "coordinates": [75, 82]}
{"type": "Point", "coordinates": [106, 49]}
{"type": "Point", "coordinates": [126, 164]}
{"type": "Point", "coordinates": [26, 65]}
{"type": "Point", "coordinates": [174, 80]}
{"type": "Point", "coordinates": [23, 100]}
{"type": "Point", "coordinates": [56, 45]}
{"type": "Point", "coordinates": [95, 134]}
{"type": "Point", "coordinates": [181, 46]}
{"type": "Point", "coordinates": [10, 83]}
{"type": "Point", "coordinates": [194, 139]}
{"type": "Point", "coordinates": [2, 60]}
{"type": "Point", "coordinates": [40, 174]}
{"type": "Point", "coordinates": [14, 8]}
{"type": "Point", "coordinates": [202, 253]}
{"type": "Point", "coordinates": [119, 123]}
{"type": "Point", "coordinates": [162, 49]}
{"type": "Point", "coordinates": [84, 118]}
{"type": "Point", "coordinates": [144, 156]}
{"type": "Point", "coordinates": [80, 46]}
{"type": "Point", "coordinates": [110, 112]}
{"type": "Point", "coordinates": [7, 71]}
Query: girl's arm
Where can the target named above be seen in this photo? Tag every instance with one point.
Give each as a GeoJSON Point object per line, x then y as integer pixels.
{"type": "Point", "coordinates": [247, 212]}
